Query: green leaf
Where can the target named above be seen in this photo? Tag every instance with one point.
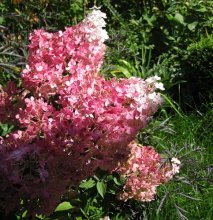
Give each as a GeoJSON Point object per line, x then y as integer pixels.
{"type": "Point", "coordinates": [24, 214]}
{"type": "Point", "coordinates": [192, 26]}
{"type": "Point", "coordinates": [6, 129]}
{"type": "Point", "coordinates": [116, 181]}
{"type": "Point", "coordinates": [150, 20]}
{"type": "Point", "coordinates": [1, 20]}
{"type": "Point", "coordinates": [87, 184]}
{"type": "Point", "coordinates": [101, 187]}
{"type": "Point", "coordinates": [201, 9]}
{"type": "Point", "coordinates": [172, 104]}
{"type": "Point", "coordinates": [170, 17]}
{"type": "Point", "coordinates": [179, 18]}
{"type": "Point", "coordinates": [40, 217]}
{"type": "Point", "coordinates": [120, 69]}
{"type": "Point", "coordinates": [127, 65]}
{"type": "Point", "coordinates": [63, 206]}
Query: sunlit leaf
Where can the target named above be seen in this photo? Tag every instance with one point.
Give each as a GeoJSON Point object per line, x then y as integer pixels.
{"type": "Point", "coordinates": [63, 206]}
{"type": "Point", "coordinates": [87, 184]}
{"type": "Point", "coordinates": [120, 69]}
{"type": "Point", "coordinates": [192, 26]}
{"type": "Point", "coordinates": [179, 18]}
{"type": "Point", "coordinates": [101, 187]}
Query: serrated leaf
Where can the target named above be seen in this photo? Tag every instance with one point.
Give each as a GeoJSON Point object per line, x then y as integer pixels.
{"type": "Point", "coordinates": [63, 206]}
{"type": "Point", "coordinates": [101, 187]}
{"type": "Point", "coordinates": [87, 184]}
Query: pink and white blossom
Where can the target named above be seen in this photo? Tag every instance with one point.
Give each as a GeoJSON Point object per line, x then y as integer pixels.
{"type": "Point", "coordinates": [69, 121]}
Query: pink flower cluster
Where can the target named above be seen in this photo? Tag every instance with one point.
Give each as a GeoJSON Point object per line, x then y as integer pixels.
{"type": "Point", "coordinates": [57, 58]}
{"type": "Point", "coordinates": [69, 120]}
{"type": "Point", "coordinates": [11, 99]}
{"type": "Point", "coordinates": [144, 172]}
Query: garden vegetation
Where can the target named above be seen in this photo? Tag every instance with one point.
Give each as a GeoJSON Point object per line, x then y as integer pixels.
{"type": "Point", "coordinates": [106, 112]}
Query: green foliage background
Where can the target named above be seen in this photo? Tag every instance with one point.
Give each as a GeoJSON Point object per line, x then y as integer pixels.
{"type": "Point", "coordinates": [170, 38]}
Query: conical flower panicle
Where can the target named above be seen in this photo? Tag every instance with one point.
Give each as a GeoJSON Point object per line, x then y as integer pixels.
{"type": "Point", "coordinates": [69, 120]}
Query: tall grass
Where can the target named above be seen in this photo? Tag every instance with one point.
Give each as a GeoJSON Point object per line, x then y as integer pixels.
{"type": "Point", "coordinates": [189, 137]}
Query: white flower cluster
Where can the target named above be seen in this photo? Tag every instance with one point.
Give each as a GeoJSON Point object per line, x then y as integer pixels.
{"type": "Point", "coordinates": [105, 218]}
{"type": "Point", "coordinates": [154, 80]}
{"type": "Point", "coordinates": [155, 84]}
{"type": "Point", "coordinates": [175, 165]}
{"type": "Point", "coordinates": [96, 23]}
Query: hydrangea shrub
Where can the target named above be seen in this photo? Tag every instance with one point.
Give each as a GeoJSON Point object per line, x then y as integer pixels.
{"type": "Point", "coordinates": [70, 121]}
